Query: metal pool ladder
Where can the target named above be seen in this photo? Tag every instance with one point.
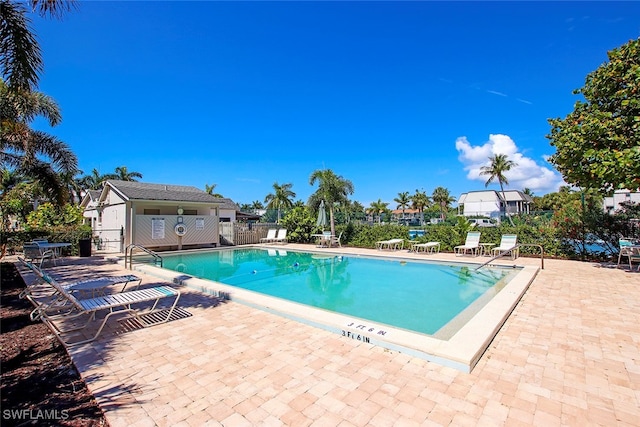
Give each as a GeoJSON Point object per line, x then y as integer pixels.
{"type": "Point", "coordinates": [128, 255]}
{"type": "Point", "coordinates": [518, 246]}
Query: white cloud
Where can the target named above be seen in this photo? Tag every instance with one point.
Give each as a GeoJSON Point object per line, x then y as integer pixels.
{"type": "Point", "coordinates": [527, 173]}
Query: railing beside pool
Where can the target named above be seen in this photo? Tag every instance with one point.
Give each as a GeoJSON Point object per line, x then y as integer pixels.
{"type": "Point", "coordinates": [128, 254]}
{"type": "Point", "coordinates": [518, 246]}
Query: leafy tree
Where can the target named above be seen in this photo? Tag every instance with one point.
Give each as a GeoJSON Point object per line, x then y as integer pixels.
{"type": "Point", "coordinates": [333, 189]}
{"type": "Point", "coordinates": [598, 143]}
{"type": "Point", "coordinates": [420, 201]}
{"type": "Point", "coordinates": [280, 198]}
{"type": "Point", "coordinates": [49, 215]}
{"type": "Point", "coordinates": [123, 174]}
{"type": "Point", "coordinates": [300, 224]}
{"type": "Point", "coordinates": [257, 204]}
{"type": "Point", "coordinates": [443, 199]}
{"type": "Point", "coordinates": [403, 200]}
{"type": "Point", "coordinates": [499, 165]}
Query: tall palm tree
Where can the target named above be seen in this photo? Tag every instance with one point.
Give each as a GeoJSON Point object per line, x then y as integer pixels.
{"type": "Point", "coordinates": [403, 200]}
{"type": "Point", "coordinates": [124, 175]}
{"type": "Point", "coordinates": [499, 165]}
{"type": "Point", "coordinates": [378, 208]}
{"type": "Point", "coordinates": [333, 189]}
{"type": "Point", "coordinates": [419, 201]}
{"type": "Point", "coordinates": [20, 57]}
{"type": "Point", "coordinates": [280, 198]}
{"type": "Point", "coordinates": [210, 189]}
{"type": "Point", "coordinates": [94, 181]}
{"type": "Point", "coordinates": [442, 197]}
{"type": "Point", "coordinates": [34, 154]}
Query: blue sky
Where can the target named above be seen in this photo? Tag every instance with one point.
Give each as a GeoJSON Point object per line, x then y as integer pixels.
{"type": "Point", "coordinates": [394, 96]}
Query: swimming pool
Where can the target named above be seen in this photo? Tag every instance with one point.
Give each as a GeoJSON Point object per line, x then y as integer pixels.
{"type": "Point", "coordinates": [339, 292]}
{"type": "Point", "coordinates": [417, 296]}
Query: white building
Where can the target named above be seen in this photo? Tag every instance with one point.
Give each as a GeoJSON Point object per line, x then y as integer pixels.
{"type": "Point", "coordinates": [613, 204]}
{"type": "Point", "coordinates": [489, 203]}
{"type": "Point", "coordinates": [155, 215]}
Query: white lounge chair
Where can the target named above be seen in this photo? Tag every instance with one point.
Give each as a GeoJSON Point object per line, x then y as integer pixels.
{"type": "Point", "coordinates": [114, 304]}
{"type": "Point", "coordinates": [391, 244]}
{"type": "Point", "coordinates": [625, 250]}
{"type": "Point", "coordinates": [431, 247]}
{"type": "Point", "coordinates": [471, 244]}
{"type": "Point", "coordinates": [333, 240]}
{"type": "Point", "coordinates": [629, 250]}
{"type": "Point", "coordinates": [281, 237]}
{"type": "Point", "coordinates": [507, 244]}
{"type": "Point", "coordinates": [271, 235]}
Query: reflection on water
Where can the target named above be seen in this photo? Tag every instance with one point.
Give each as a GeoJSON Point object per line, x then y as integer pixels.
{"type": "Point", "coordinates": [329, 279]}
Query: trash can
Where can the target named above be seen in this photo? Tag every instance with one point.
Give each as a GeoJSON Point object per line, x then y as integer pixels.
{"type": "Point", "coordinates": [85, 247]}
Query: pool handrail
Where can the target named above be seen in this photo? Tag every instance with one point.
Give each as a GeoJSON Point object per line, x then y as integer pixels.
{"type": "Point", "coordinates": [128, 253]}
{"type": "Point", "coordinates": [519, 245]}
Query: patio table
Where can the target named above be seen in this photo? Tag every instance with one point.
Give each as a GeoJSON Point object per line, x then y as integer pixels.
{"type": "Point", "coordinates": [56, 248]}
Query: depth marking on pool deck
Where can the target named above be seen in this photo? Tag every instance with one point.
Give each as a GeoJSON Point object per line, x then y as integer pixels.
{"type": "Point", "coordinates": [364, 328]}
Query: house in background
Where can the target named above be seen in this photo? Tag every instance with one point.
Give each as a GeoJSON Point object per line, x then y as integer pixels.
{"type": "Point", "coordinates": [489, 203]}
{"type": "Point", "coordinates": [613, 204]}
{"type": "Point", "coordinates": [155, 215]}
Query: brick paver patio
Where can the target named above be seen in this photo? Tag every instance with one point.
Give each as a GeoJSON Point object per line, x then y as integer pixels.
{"type": "Point", "coordinates": [568, 355]}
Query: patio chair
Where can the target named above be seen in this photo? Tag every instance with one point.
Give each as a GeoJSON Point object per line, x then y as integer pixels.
{"type": "Point", "coordinates": [625, 250]}
{"type": "Point", "coordinates": [391, 244]}
{"type": "Point", "coordinates": [507, 245]}
{"type": "Point", "coordinates": [430, 247]}
{"type": "Point", "coordinates": [281, 237]}
{"type": "Point", "coordinates": [471, 244]}
{"type": "Point", "coordinates": [49, 298]}
{"type": "Point", "coordinates": [113, 304]}
{"type": "Point", "coordinates": [333, 240]}
{"type": "Point", "coordinates": [634, 257]}
{"type": "Point", "coordinates": [271, 235]}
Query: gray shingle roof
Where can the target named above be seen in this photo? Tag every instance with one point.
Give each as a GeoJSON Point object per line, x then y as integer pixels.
{"type": "Point", "coordinates": [133, 190]}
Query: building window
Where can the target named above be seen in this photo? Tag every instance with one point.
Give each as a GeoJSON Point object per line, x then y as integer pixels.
{"type": "Point", "coordinates": [190, 211]}
{"type": "Point", "coordinates": [152, 211]}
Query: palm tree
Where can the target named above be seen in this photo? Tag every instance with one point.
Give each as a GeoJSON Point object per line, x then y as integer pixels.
{"type": "Point", "coordinates": [20, 58]}
{"type": "Point", "coordinates": [377, 208]}
{"type": "Point", "coordinates": [333, 189]}
{"type": "Point", "coordinates": [209, 189]}
{"type": "Point", "coordinates": [280, 198]}
{"type": "Point", "coordinates": [124, 175]}
{"type": "Point", "coordinates": [499, 165]}
{"type": "Point", "coordinates": [94, 181]}
{"type": "Point", "coordinates": [34, 154]}
{"type": "Point", "coordinates": [442, 197]}
{"type": "Point", "coordinates": [419, 201]}
{"type": "Point", "coordinates": [403, 200]}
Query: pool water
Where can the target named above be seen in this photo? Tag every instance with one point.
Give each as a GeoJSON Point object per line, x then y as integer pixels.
{"type": "Point", "coordinates": [413, 295]}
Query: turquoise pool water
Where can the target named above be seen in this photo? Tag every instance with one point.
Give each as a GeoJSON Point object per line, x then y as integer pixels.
{"type": "Point", "coordinates": [413, 295]}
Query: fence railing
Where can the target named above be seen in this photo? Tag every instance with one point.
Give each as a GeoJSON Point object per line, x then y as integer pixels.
{"type": "Point", "coordinates": [243, 234]}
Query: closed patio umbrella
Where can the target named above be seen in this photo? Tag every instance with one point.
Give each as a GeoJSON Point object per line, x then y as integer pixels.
{"type": "Point", "coordinates": [322, 216]}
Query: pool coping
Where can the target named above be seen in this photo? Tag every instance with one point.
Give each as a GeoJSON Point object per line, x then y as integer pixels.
{"type": "Point", "coordinates": [462, 351]}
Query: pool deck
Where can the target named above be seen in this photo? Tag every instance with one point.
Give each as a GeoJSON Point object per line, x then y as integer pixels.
{"type": "Point", "coordinates": [569, 354]}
